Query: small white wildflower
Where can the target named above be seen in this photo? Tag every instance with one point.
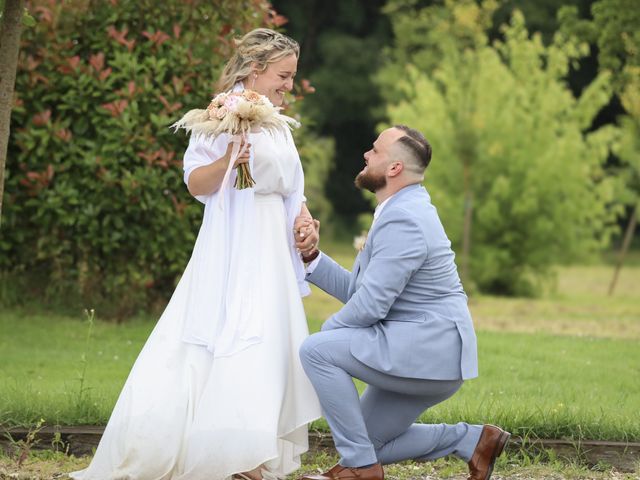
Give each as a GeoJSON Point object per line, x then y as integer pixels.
{"type": "Point", "coordinates": [360, 240]}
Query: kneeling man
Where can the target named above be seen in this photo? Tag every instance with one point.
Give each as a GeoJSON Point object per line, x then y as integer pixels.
{"type": "Point", "coordinates": [405, 328]}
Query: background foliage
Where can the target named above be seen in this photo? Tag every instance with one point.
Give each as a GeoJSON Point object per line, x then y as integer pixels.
{"type": "Point", "coordinates": [614, 28]}
{"type": "Point", "coordinates": [96, 208]}
{"type": "Point", "coordinates": [518, 183]}
{"type": "Point", "coordinates": [531, 131]}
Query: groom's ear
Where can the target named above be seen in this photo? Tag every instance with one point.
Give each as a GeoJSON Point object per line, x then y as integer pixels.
{"type": "Point", "coordinates": [395, 168]}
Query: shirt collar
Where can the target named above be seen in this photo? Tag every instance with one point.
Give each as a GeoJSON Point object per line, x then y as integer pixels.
{"type": "Point", "coordinates": [379, 208]}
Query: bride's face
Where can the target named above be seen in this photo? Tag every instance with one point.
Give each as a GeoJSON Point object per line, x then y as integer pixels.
{"type": "Point", "coordinates": [275, 80]}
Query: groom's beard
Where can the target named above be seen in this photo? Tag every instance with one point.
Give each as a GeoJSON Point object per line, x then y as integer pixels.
{"type": "Point", "coordinates": [370, 181]}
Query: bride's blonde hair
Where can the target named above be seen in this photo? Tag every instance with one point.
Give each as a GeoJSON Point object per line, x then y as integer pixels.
{"type": "Point", "coordinates": [255, 51]}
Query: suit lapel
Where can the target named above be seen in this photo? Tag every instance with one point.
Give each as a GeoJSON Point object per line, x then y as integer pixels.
{"type": "Point", "coordinates": [357, 271]}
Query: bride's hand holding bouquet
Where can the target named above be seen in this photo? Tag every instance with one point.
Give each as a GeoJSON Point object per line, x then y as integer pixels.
{"type": "Point", "coordinates": [242, 160]}
{"type": "Point", "coordinates": [237, 114]}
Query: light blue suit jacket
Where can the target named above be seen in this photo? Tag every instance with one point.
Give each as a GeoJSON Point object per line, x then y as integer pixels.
{"type": "Point", "coordinates": [404, 295]}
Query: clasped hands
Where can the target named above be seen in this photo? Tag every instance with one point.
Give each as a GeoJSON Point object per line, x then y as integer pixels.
{"type": "Point", "coordinates": [306, 231]}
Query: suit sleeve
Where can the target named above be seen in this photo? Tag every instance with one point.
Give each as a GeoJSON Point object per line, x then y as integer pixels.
{"type": "Point", "coordinates": [331, 278]}
{"type": "Point", "coordinates": [398, 250]}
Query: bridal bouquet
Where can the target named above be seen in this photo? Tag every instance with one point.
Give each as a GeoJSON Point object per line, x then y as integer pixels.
{"type": "Point", "coordinates": [235, 113]}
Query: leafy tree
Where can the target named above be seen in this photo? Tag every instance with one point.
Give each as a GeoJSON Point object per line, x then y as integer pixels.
{"type": "Point", "coordinates": [615, 29]}
{"type": "Point", "coordinates": [541, 15]}
{"type": "Point", "coordinates": [11, 20]}
{"type": "Point", "coordinates": [628, 150]}
{"type": "Point", "coordinates": [425, 36]}
{"type": "Point", "coordinates": [519, 184]}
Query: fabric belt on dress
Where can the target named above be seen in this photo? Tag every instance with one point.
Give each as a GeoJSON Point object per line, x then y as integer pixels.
{"type": "Point", "coordinates": [268, 197]}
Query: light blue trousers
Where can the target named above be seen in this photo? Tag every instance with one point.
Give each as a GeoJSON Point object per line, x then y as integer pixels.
{"type": "Point", "coordinates": [379, 426]}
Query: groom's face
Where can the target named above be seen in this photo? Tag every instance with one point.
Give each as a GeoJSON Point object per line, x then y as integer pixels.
{"type": "Point", "coordinates": [373, 176]}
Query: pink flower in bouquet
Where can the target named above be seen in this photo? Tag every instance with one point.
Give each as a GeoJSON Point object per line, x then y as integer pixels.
{"type": "Point", "coordinates": [221, 112]}
{"type": "Point", "coordinates": [231, 102]}
{"type": "Point", "coordinates": [212, 112]}
{"type": "Point", "coordinates": [219, 99]}
{"type": "Point", "coordinates": [252, 96]}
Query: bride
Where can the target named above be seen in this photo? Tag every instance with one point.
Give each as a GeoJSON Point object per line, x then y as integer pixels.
{"type": "Point", "coordinates": [218, 389]}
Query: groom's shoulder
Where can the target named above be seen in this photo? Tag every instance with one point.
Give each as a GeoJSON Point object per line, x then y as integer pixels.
{"type": "Point", "coordinates": [414, 208]}
{"type": "Point", "coordinates": [402, 218]}
{"type": "Point", "coordinates": [412, 204]}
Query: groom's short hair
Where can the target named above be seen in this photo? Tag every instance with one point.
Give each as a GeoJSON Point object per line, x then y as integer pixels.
{"type": "Point", "coordinates": [415, 145]}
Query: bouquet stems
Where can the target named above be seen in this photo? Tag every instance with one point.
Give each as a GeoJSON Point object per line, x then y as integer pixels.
{"type": "Point", "coordinates": [244, 178]}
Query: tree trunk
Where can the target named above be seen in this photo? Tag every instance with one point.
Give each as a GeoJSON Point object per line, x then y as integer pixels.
{"type": "Point", "coordinates": [631, 226]}
{"type": "Point", "coordinates": [468, 216]}
{"type": "Point", "coordinates": [10, 29]}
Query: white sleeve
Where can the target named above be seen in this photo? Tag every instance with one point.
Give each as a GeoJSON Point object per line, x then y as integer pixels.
{"type": "Point", "coordinates": [203, 151]}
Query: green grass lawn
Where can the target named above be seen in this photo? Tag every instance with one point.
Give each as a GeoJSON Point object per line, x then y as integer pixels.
{"type": "Point", "coordinates": [565, 365]}
{"type": "Point", "coordinates": [538, 384]}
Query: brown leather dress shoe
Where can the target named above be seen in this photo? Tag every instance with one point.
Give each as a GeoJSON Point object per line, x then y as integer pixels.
{"type": "Point", "coordinates": [492, 442]}
{"type": "Point", "coordinates": [338, 472]}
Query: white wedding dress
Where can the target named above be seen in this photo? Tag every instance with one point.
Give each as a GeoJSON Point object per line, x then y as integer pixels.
{"type": "Point", "coordinates": [191, 412]}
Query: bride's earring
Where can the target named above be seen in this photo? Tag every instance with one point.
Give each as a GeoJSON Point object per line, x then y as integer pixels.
{"type": "Point", "coordinates": [253, 80]}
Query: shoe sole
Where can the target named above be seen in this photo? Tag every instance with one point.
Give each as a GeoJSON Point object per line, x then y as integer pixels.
{"type": "Point", "coordinates": [502, 442]}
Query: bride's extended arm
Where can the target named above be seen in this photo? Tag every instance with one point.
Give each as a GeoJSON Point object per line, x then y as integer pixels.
{"type": "Point", "coordinates": [207, 179]}
{"type": "Point", "coordinates": [304, 211]}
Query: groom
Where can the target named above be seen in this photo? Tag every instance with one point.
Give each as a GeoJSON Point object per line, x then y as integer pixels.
{"type": "Point", "coordinates": [405, 329]}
